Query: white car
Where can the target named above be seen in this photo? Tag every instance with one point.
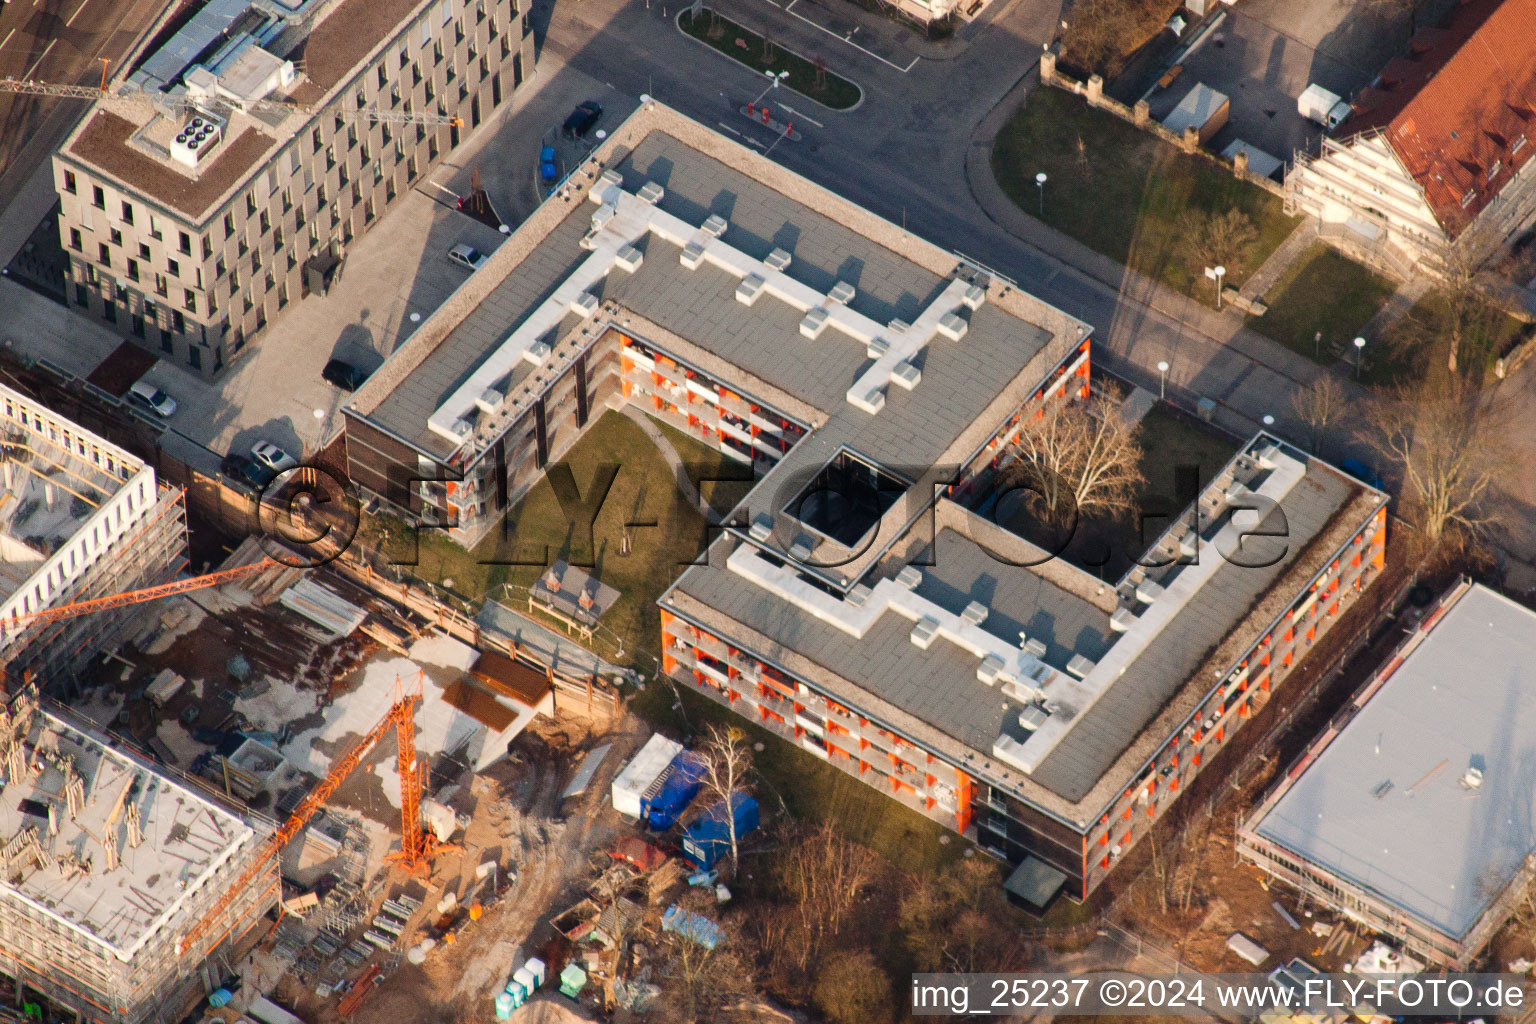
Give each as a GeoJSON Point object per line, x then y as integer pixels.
{"type": "Point", "coordinates": [152, 398]}
{"type": "Point", "coordinates": [273, 457]}
{"type": "Point", "coordinates": [467, 256]}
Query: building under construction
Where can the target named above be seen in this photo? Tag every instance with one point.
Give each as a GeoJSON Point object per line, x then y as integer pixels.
{"type": "Point", "coordinates": [80, 518]}
{"type": "Point", "coordinates": [107, 865]}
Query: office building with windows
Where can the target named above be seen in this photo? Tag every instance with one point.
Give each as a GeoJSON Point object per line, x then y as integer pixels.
{"type": "Point", "coordinates": [249, 141]}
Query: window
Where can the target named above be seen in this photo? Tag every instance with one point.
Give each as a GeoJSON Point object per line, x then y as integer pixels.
{"type": "Point", "coordinates": [154, 229]}
{"type": "Point", "coordinates": [174, 266]}
{"type": "Point", "coordinates": [69, 182]}
{"type": "Point", "coordinates": [330, 157]}
{"type": "Point", "coordinates": [293, 160]}
{"type": "Point", "coordinates": [287, 199]}
{"type": "Point", "coordinates": [184, 242]}
{"type": "Point", "coordinates": [178, 321]}
{"type": "Point", "coordinates": [362, 101]}
{"type": "Point", "coordinates": [194, 357]}
{"type": "Point", "coordinates": [437, 55]}
{"type": "Point", "coordinates": [98, 197]}
{"type": "Point", "coordinates": [445, 11]}
{"type": "Point", "coordinates": [426, 32]}
{"type": "Point", "coordinates": [166, 345]}
{"type": "Point", "coordinates": [74, 239]}
{"type": "Point", "coordinates": [133, 270]}
{"type": "Point", "coordinates": [191, 301]}
{"type": "Point", "coordinates": [105, 253]}
{"type": "Point", "coordinates": [250, 204]}
{"type": "Point", "coordinates": [405, 57]}
{"type": "Point", "coordinates": [314, 140]}
{"type": "Point", "coordinates": [127, 213]}
{"type": "Point", "coordinates": [144, 252]}
{"type": "Point", "coordinates": [229, 225]}
{"type": "Point", "coordinates": [161, 288]}
{"type": "Point", "coordinates": [1494, 170]}
{"type": "Point", "coordinates": [266, 222]}
{"type": "Point", "coordinates": [218, 269]}
{"type": "Point", "coordinates": [1466, 200]}
{"type": "Point", "coordinates": [207, 247]}
{"type": "Point", "coordinates": [213, 303]}
{"type": "Point", "coordinates": [115, 235]}
{"type": "Point", "coordinates": [81, 296]}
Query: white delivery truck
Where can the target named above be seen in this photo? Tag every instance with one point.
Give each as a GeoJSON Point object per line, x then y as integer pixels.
{"type": "Point", "coordinates": [1324, 107]}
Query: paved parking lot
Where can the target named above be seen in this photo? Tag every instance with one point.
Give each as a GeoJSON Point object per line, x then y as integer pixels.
{"type": "Point", "coordinates": [1266, 52]}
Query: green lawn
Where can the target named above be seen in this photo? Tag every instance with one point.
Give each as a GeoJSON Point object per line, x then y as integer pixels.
{"type": "Point", "coordinates": [536, 531]}
{"type": "Point", "coordinates": [1407, 346]}
{"type": "Point", "coordinates": [747, 47]}
{"type": "Point", "coordinates": [1120, 190]}
{"type": "Point", "coordinates": [721, 480]}
{"type": "Point", "coordinates": [1169, 439]}
{"type": "Point", "coordinates": [1323, 293]}
{"type": "Point", "coordinates": [810, 788]}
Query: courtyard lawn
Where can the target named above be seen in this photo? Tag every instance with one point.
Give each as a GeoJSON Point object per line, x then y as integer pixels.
{"type": "Point", "coordinates": [1120, 190]}
{"type": "Point", "coordinates": [1170, 439]}
{"type": "Point", "coordinates": [722, 481]}
{"type": "Point", "coordinates": [747, 47]}
{"type": "Point", "coordinates": [1323, 293]}
{"type": "Point", "coordinates": [536, 533]}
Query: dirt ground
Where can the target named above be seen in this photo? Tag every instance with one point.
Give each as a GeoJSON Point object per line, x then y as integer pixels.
{"type": "Point", "coordinates": [518, 821]}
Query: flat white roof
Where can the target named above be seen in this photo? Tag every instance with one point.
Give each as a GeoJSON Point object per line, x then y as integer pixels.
{"type": "Point", "coordinates": [1384, 806]}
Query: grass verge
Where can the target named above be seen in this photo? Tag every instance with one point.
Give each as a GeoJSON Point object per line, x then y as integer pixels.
{"type": "Point", "coordinates": [1323, 294]}
{"type": "Point", "coordinates": [747, 47]}
{"type": "Point", "coordinates": [1406, 348]}
{"type": "Point", "coordinates": [1121, 191]}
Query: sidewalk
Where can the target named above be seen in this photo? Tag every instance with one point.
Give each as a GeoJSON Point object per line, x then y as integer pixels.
{"type": "Point", "coordinates": [1214, 356]}
{"type": "Point", "coordinates": [1282, 259]}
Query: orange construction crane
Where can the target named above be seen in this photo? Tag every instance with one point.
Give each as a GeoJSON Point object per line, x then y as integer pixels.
{"type": "Point", "coordinates": [417, 845]}
{"type": "Point", "coordinates": [101, 604]}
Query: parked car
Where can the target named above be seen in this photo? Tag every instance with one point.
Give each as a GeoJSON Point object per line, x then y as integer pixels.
{"type": "Point", "coordinates": [271, 456]}
{"type": "Point", "coordinates": [343, 375]}
{"type": "Point", "coordinates": [147, 396]}
{"type": "Point", "coordinates": [467, 256]}
{"type": "Point", "coordinates": [243, 470]}
{"type": "Point", "coordinates": [582, 120]}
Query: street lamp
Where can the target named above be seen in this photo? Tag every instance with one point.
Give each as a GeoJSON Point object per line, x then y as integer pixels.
{"type": "Point", "coordinates": [1359, 355]}
{"type": "Point", "coordinates": [1269, 421]}
{"type": "Point", "coordinates": [1162, 379]}
{"type": "Point", "coordinates": [1040, 180]}
{"type": "Point", "coordinates": [1216, 274]}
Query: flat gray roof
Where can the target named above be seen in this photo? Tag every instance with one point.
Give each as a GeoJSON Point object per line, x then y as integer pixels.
{"type": "Point", "coordinates": [763, 340]}
{"type": "Point", "coordinates": [1465, 696]}
{"type": "Point", "coordinates": [1098, 737]}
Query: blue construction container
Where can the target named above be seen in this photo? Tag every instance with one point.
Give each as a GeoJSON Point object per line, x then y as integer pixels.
{"type": "Point", "coordinates": [709, 837]}
{"type": "Point", "coordinates": [669, 796]}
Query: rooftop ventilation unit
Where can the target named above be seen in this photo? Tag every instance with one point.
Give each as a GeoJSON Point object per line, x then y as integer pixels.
{"type": "Point", "coordinates": [1473, 779]}
{"type": "Point", "coordinates": [842, 293]}
{"type": "Point", "coordinates": [975, 613]}
{"type": "Point", "coordinates": [490, 401]}
{"type": "Point", "coordinates": [602, 215]}
{"type": "Point", "coordinates": [778, 259]}
{"type": "Point", "coordinates": [801, 549]}
{"type": "Point", "coordinates": [761, 528]}
{"type": "Point", "coordinates": [584, 305]}
{"type": "Point", "coordinates": [715, 225]}
{"type": "Point", "coordinates": [1235, 492]}
{"type": "Point", "coordinates": [692, 255]}
{"type": "Point", "coordinates": [1080, 666]}
{"type": "Point", "coordinates": [923, 633]}
{"type": "Point", "coordinates": [860, 594]}
{"type": "Point", "coordinates": [910, 577]}
{"type": "Point", "coordinates": [905, 375]}
{"type": "Point", "coordinates": [987, 672]}
{"type": "Point", "coordinates": [461, 428]}
{"type": "Point", "coordinates": [871, 401]}
{"type": "Point", "coordinates": [899, 326]}
{"type": "Point", "coordinates": [628, 259]}
{"type": "Point", "coordinates": [1035, 647]}
{"type": "Point", "coordinates": [1033, 717]}
{"type": "Point", "coordinates": [610, 178]}
{"type": "Point", "coordinates": [651, 192]}
{"type": "Point", "coordinates": [814, 323]}
{"type": "Point", "coordinates": [953, 326]}
{"type": "Point", "coordinates": [1122, 620]}
{"type": "Point", "coordinates": [1148, 591]}
{"type": "Point", "coordinates": [1267, 456]}
{"type": "Point", "coordinates": [973, 297]}
{"type": "Point", "coordinates": [750, 288]}
{"type": "Point", "coordinates": [537, 353]}
{"type": "Point", "coordinates": [199, 136]}
{"type": "Point", "coordinates": [877, 347]}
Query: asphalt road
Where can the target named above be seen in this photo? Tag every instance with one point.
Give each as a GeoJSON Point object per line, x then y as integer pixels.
{"type": "Point", "coordinates": [60, 42]}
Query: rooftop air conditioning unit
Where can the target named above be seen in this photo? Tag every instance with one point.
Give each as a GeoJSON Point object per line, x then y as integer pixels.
{"type": "Point", "coordinates": [651, 192]}
{"type": "Point", "coordinates": [584, 305]}
{"type": "Point", "coordinates": [975, 613]}
{"type": "Point", "coordinates": [1033, 717]}
{"type": "Point", "coordinates": [1122, 620]}
{"type": "Point", "coordinates": [762, 527]}
{"type": "Point", "coordinates": [692, 255]}
{"type": "Point", "coordinates": [628, 259]}
{"type": "Point", "coordinates": [876, 348]}
{"type": "Point", "coordinates": [953, 326]}
{"type": "Point", "coordinates": [973, 297]}
{"type": "Point", "coordinates": [778, 259]}
{"type": "Point", "coordinates": [906, 376]}
{"type": "Point", "coordinates": [859, 596]}
{"type": "Point", "coordinates": [750, 288]}
{"type": "Point", "coordinates": [715, 225]}
{"type": "Point", "coordinates": [461, 428]}
{"type": "Point", "coordinates": [923, 633]}
{"type": "Point", "coordinates": [814, 322]}
{"type": "Point", "coordinates": [989, 669]}
{"type": "Point", "coordinates": [842, 293]}
{"type": "Point", "coordinates": [490, 401]}
{"type": "Point", "coordinates": [1080, 666]}
{"type": "Point", "coordinates": [910, 577]}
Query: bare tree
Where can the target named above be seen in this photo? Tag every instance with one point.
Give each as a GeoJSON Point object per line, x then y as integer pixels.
{"type": "Point", "coordinates": [1392, 9]}
{"type": "Point", "coordinates": [1080, 457]}
{"type": "Point", "coordinates": [820, 63]}
{"type": "Point", "coordinates": [950, 921]}
{"type": "Point", "coordinates": [1442, 437]}
{"type": "Point", "coordinates": [1470, 320]}
{"type": "Point", "coordinates": [853, 989]}
{"type": "Point", "coordinates": [701, 981]}
{"type": "Point", "coordinates": [1216, 239]}
{"type": "Point", "coordinates": [727, 765]}
{"type": "Point", "coordinates": [1318, 405]}
{"type": "Point", "coordinates": [822, 875]}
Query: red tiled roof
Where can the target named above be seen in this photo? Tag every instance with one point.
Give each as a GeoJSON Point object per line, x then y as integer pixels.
{"type": "Point", "coordinates": [1458, 107]}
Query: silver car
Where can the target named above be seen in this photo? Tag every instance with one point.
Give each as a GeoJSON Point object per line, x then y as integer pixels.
{"type": "Point", "coordinates": [467, 256]}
